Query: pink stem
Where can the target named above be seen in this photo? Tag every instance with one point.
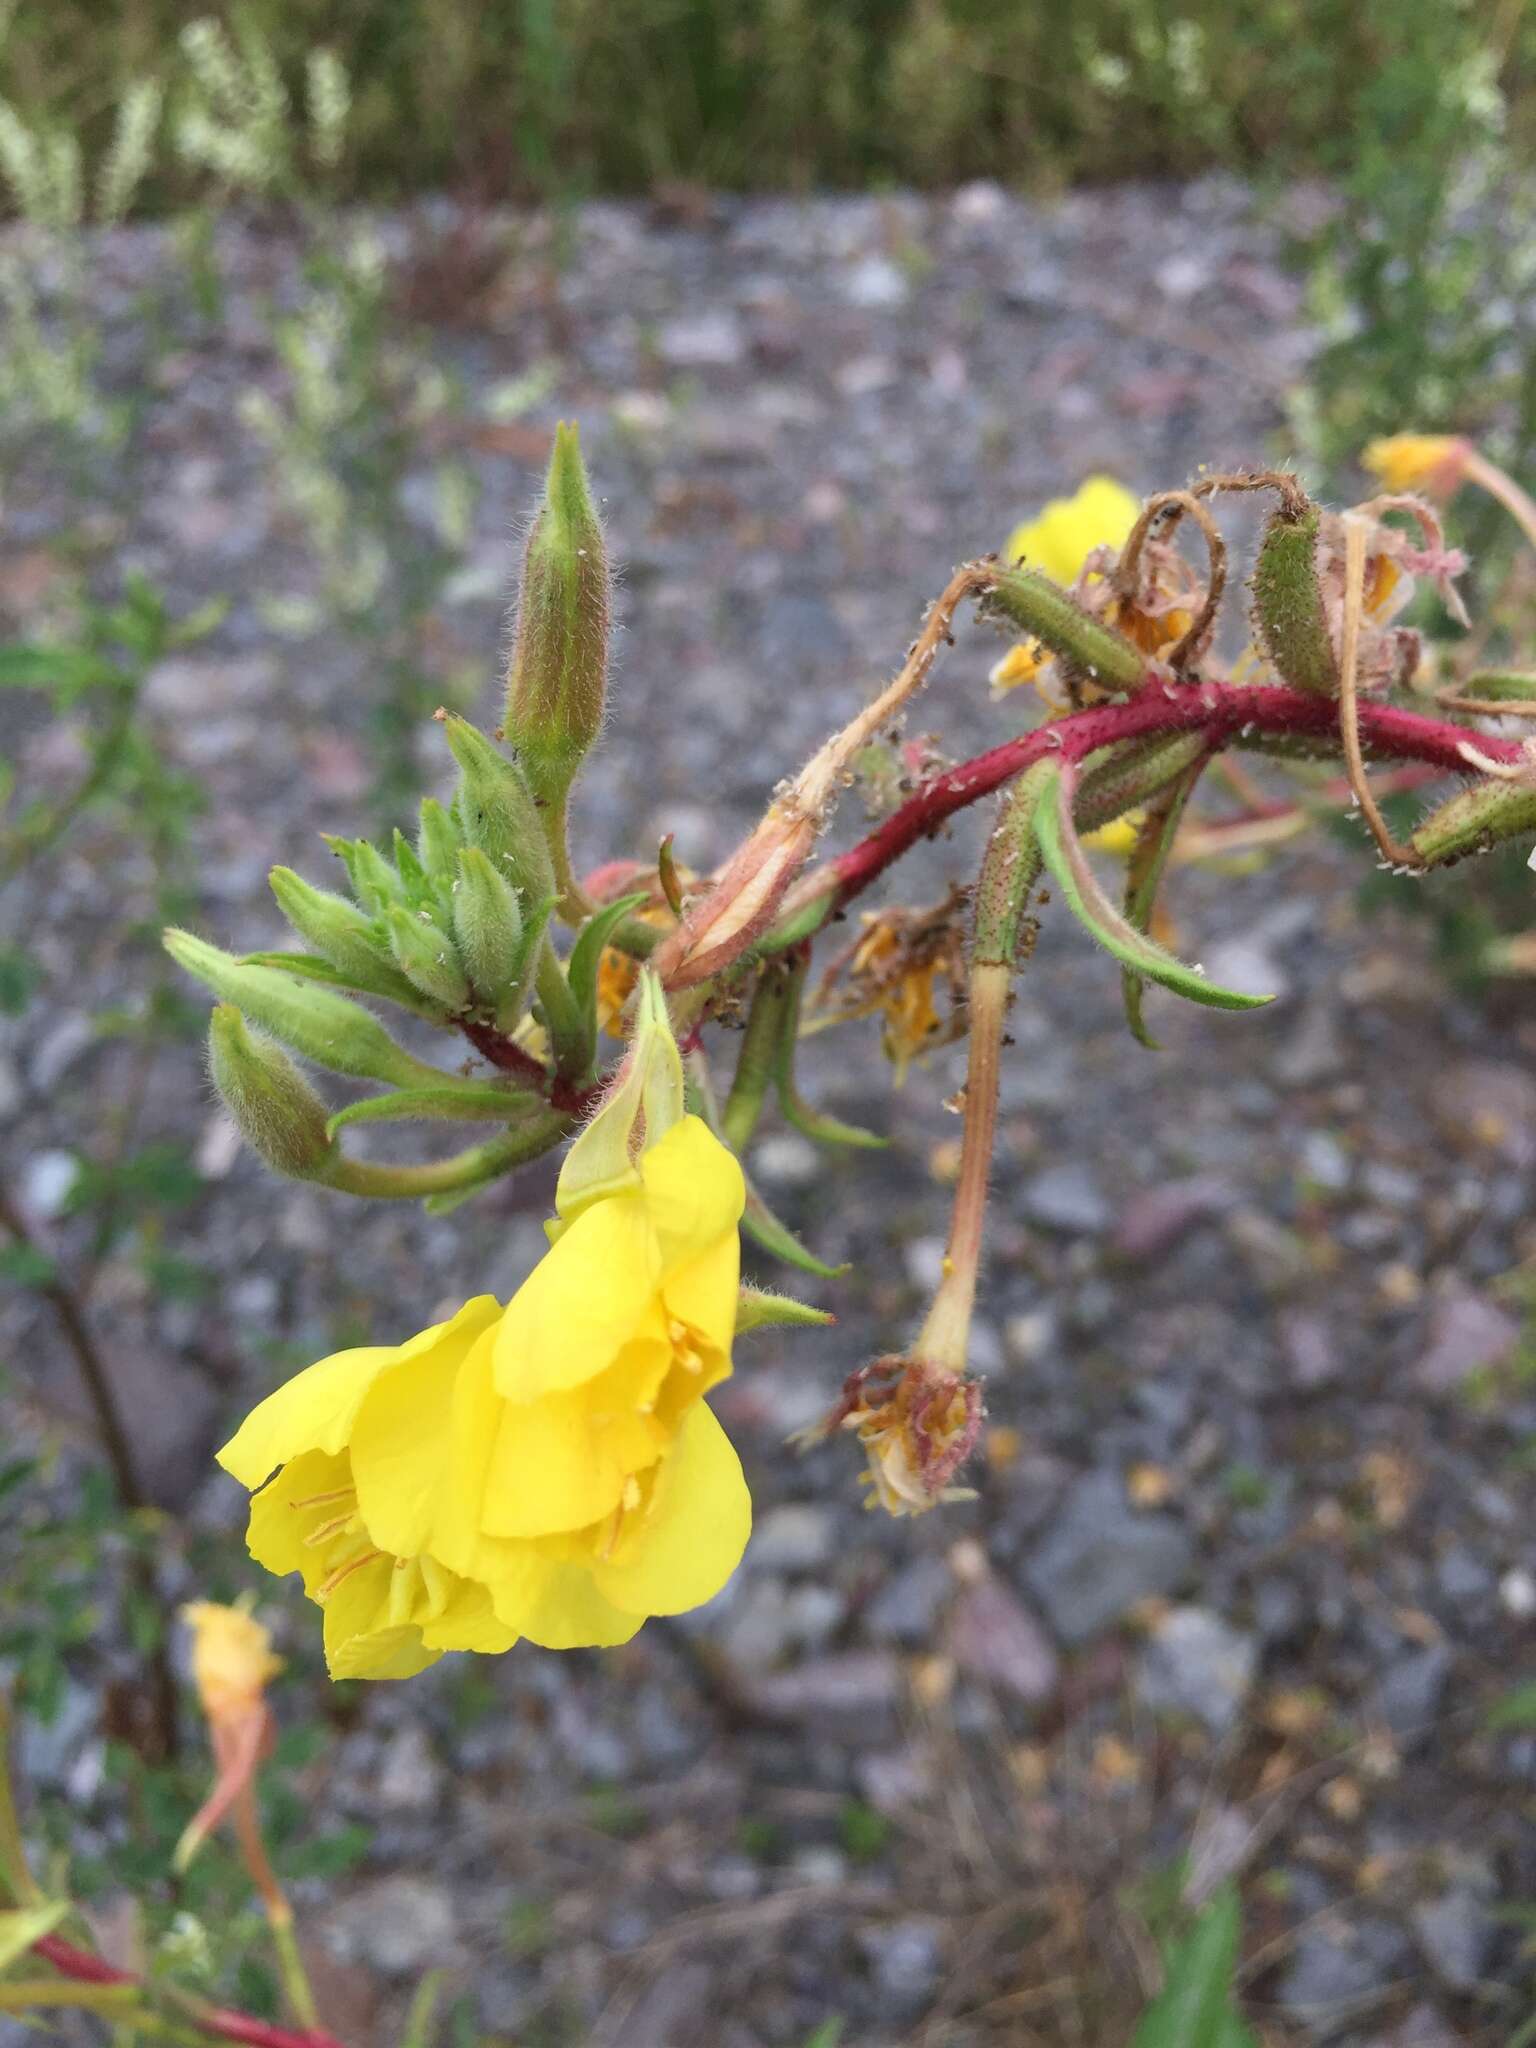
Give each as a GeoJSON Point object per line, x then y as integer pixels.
{"type": "Point", "coordinates": [1223, 711]}
{"type": "Point", "coordinates": [218, 2020]}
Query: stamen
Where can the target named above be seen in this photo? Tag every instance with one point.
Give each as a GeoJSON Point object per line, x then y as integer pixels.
{"type": "Point", "coordinates": [320, 1500]}
{"type": "Point", "coordinates": [327, 1530]}
{"type": "Point", "coordinates": [328, 1586]}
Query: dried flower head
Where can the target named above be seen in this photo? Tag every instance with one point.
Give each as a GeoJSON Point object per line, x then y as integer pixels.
{"type": "Point", "coordinates": [896, 969]}
{"type": "Point", "coordinates": [918, 1425]}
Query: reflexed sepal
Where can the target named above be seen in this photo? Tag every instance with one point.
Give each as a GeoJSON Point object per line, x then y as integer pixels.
{"type": "Point", "coordinates": [324, 1027]}
{"type": "Point", "coordinates": [1288, 612]}
{"type": "Point", "coordinates": [278, 1114]}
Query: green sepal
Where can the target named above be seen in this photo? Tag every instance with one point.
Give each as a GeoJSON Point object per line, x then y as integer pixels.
{"type": "Point", "coordinates": [1143, 879]}
{"type": "Point", "coordinates": [323, 1027]}
{"type": "Point", "coordinates": [1504, 686]}
{"type": "Point", "coordinates": [464, 1102]}
{"type": "Point", "coordinates": [1064, 856]}
{"type": "Point", "coordinates": [493, 937]}
{"type": "Point", "coordinates": [437, 841]}
{"type": "Point", "coordinates": [497, 812]}
{"type": "Point", "coordinates": [1118, 778]}
{"type": "Point", "coordinates": [582, 968]}
{"type": "Point", "coordinates": [1475, 820]}
{"type": "Point", "coordinates": [345, 935]}
{"type": "Point", "coordinates": [412, 873]}
{"type": "Point", "coordinates": [758, 1309]}
{"type": "Point", "coordinates": [313, 967]}
{"type": "Point", "coordinates": [374, 882]}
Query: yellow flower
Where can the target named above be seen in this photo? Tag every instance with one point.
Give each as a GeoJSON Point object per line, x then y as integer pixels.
{"type": "Point", "coordinates": [1414, 462]}
{"type": "Point", "coordinates": [545, 1470]}
{"type": "Point", "coordinates": [1099, 514]}
{"type": "Point", "coordinates": [1118, 837]}
{"type": "Point", "coordinates": [1059, 540]}
{"type": "Point", "coordinates": [232, 1657]}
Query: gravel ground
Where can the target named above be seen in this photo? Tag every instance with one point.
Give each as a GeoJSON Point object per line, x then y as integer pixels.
{"type": "Point", "coordinates": [1252, 1552]}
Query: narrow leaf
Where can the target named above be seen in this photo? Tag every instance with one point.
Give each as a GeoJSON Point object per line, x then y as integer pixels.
{"type": "Point", "coordinates": [25, 1925]}
{"type": "Point", "coordinates": [581, 968]}
{"type": "Point", "coordinates": [1143, 879]}
{"type": "Point", "coordinates": [812, 1123]}
{"type": "Point", "coordinates": [758, 1309]}
{"type": "Point", "coordinates": [765, 1229]}
{"type": "Point", "coordinates": [391, 987]}
{"type": "Point", "coordinates": [1064, 856]}
{"type": "Point", "coordinates": [1194, 2009]}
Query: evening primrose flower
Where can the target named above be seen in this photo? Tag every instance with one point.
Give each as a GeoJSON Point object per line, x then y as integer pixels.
{"type": "Point", "coordinates": [547, 1469]}
{"type": "Point", "coordinates": [1418, 462]}
{"type": "Point", "coordinates": [895, 970]}
{"type": "Point", "coordinates": [232, 1661]}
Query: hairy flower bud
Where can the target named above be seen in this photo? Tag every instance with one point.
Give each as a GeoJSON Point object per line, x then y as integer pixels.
{"type": "Point", "coordinates": [1289, 614]}
{"type": "Point", "coordinates": [333, 926]}
{"type": "Point", "coordinates": [324, 1027]}
{"type": "Point", "coordinates": [427, 957]}
{"type": "Point", "coordinates": [498, 812]}
{"type": "Point", "coordinates": [437, 841]}
{"type": "Point", "coordinates": [493, 938]}
{"type": "Point", "coordinates": [1474, 821]}
{"type": "Point", "coordinates": [559, 666]}
{"type": "Point", "coordinates": [279, 1115]}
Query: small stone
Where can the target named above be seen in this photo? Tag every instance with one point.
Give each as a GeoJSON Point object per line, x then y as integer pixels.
{"type": "Point", "coordinates": [702, 341]}
{"type": "Point", "coordinates": [923, 1258]}
{"type": "Point", "coordinates": [1310, 1349]}
{"type": "Point", "coordinates": [400, 1925]}
{"type": "Point", "coordinates": [794, 1537]}
{"type": "Point", "coordinates": [1467, 1334]}
{"type": "Point", "coordinates": [1029, 1337]}
{"type": "Point", "coordinates": [410, 1778]}
{"type": "Point", "coordinates": [1100, 1559]}
{"type": "Point", "coordinates": [994, 1636]}
{"type": "Point", "coordinates": [787, 1160]}
{"type": "Point", "coordinates": [1410, 1692]}
{"type": "Point", "coordinates": [832, 1692]}
{"type": "Point", "coordinates": [1067, 1198]}
{"type": "Point", "coordinates": [1456, 1931]}
{"type": "Point", "coordinates": [1517, 1593]}
{"type": "Point", "coordinates": [770, 1619]}
{"type": "Point", "coordinates": [1153, 1220]}
{"type": "Point", "coordinates": [1421, 2028]}
{"type": "Point", "coordinates": [1248, 965]}
{"type": "Point", "coordinates": [56, 1048]}
{"type": "Point", "coordinates": [46, 1182]}
{"type": "Point", "coordinates": [1325, 1163]}
{"type": "Point", "coordinates": [1491, 1105]}
{"type": "Point", "coordinates": [877, 284]}
{"type": "Point", "coordinates": [905, 1957]}
{"type": "Point", "coordinates": [1194, 1663]}
{"type": "Point", "coordinates": [906, 1609]}
{"type": "Point", "coordinates": [1337, 1966]}
{"type": "Point", "coordinates": [1315, 1052]}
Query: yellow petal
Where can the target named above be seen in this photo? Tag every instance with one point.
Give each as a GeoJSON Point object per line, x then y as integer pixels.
{"type": "Point", "coordinates": [557, 1605]}
{"type": "Point", "coordinates": [316, 1409]}
{"type": "Point", "coordinates": [592, 1293]}
{"type": "Point", "coordinates": [277, 1529]}
{"type": "Point", "coordinates": [694, 1531]}
{"type": "Point", "coordinates": [468, 1622]}
{"type": "Point", "coordinates": [1100, 513]}
{"type": "Point", "coordinates": [694, 1190]}
{"type": "Point", "coordinates": [400, 1446]}
{"type": "Point", "coordinates": [703, 1294]}
{"type": "Point", "coordinates": [562, 1463]}
{"type": "Point", "coordinates": [362, 1639]}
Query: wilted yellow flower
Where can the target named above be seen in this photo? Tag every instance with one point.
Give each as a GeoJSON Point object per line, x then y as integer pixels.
{"type": "Point", "coordinates": [547, 1469]}
{"type": "Point", "coordinates": [917, 1423]}
{"type": "Point", "coordinates": [895, 969]}
{"type": "Point", "coordinates": [232, 1657]}
{"type": "Point", "coordinates": [1417, 462]}
{"type": "Point", "coordinates": [1118, 836]}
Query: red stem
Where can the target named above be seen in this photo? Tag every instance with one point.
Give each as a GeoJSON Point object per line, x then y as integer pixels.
{"type": "Point", "coordinates": [505, 1053]}
{"type": "Point", "coordinates": [218, 2020]}
{"type": "Point", "coordinates": [1223, 711]}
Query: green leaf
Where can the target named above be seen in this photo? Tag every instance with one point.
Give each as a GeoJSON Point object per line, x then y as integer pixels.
{"type": "Point", "coordinates": [1143, 879]}
{"type": "Point", "coordinates": [20, 976]}
{"type": "Point", "coordinates": [758, 1309]}
{"type": "Point", "coordinates": [1064, 856]}
{"type": "Point", "coordinates": [811, 1123]}
{"type": "Point", "coordinates": [418, 2022]}
{"type": "Point", "coordinates": [1195, 2008]}
{"type": "Point", "coordinates": [466, 1102]}
{"type": "Point", "coordinates": [1516, 1709]}
{"type": "Point", "coordinates": [581, 968]}
{"type": "Point", "coordinates": [23, 1926]}
{"type": "Point", "coordinates": [23, 1265]}
{"type": "Point", "coordinates": [70, 670]}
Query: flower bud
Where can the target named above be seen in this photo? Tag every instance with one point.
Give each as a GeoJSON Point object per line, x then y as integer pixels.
{"type": "Point", "coordinates": [278, 1114]}
{"type": "Point", "coordinates": [427, 957]}
{"type": "Point", "coordinates": [498, 813]}
{"type": "Point", "coordinates": [493, 940]}
{"type": "Point", "coordinates": [1474, 821]}
{"type": "Point", "coordinates": [437, 840]}
{"type": "Point", "coordinates": [324, 1027]}
{"type": "Point", "coordinates": [374, 882]}
{"type": "Point", "coordinates": [555, 683]}
{"type": "Point", "coordinates": [643, 1104]}
{"type": "Point", "coordinates": [332, 925]}
{"type": "Point", "coordinates": [1086, 644]}
{"type": "Point", "coordinates": [1288, 610]}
